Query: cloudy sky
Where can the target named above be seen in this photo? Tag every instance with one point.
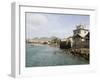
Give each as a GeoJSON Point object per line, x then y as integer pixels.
{"type": "Point", "coordinates": [48, 25]}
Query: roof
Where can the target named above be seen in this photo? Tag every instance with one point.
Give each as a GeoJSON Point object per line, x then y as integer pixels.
{"type": "Point", "coordinates": [88, 34]}
{"type": "Point", "coordinates": [81, 29]}
{"type": "Point", "coordinates": [77, 35]}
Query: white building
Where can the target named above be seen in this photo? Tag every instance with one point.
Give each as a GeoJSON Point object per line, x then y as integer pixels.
{"type": "Point", "coordinates": [80, 30]}
{"type": "Point", "coordinates": [79, 35]}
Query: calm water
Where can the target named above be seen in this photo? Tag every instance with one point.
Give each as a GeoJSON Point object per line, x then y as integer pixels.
{"type": "Point", "coordinates": [45, 55]}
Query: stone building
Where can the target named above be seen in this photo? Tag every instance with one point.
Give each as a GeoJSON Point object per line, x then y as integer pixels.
{"type": "Point", "coordinates": [70, 39]}
{"type": "Point", "coordinates": [66, 43]}
{"type": "Point", "coordinates": [80, 30]}
{"type": "Point", "coordinates": [80, 36]}
{"type": "Point", "coordinates": [87, 40]}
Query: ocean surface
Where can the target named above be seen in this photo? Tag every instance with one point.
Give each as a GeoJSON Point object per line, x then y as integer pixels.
{"type": "Point", "coordinates": [46, 55]}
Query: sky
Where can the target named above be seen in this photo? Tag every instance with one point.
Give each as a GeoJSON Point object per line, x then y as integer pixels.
{"type": "Point", "coordinates": [48, 24]}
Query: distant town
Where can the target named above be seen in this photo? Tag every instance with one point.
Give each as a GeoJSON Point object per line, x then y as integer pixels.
{"type": "Point", "coordinates": [77, 44]}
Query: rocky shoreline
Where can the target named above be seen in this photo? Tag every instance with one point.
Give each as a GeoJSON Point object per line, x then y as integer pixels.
{"type": "Point", "coordinates": [83, 52]}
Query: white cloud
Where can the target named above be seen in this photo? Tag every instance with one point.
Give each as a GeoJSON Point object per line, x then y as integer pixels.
{"type": "Point", "coordinates": [35, 22]}
{"type": "Point", "coordinates": [36, 19]}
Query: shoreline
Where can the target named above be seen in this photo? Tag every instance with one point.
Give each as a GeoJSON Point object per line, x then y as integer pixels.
{"type": "Point", "coordinates": [84, 52]}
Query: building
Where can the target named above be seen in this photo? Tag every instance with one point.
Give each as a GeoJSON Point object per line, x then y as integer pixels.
{"type": "Point", "coordinates": [66, 43]}
{"type": "Point", "coordinates": [79, 36]}
{"type": "Point", "coordinates": [80, 30]}
{"type": "Point", "coordinates": [87, 40]}
{"type": "Point", "coordinates": [70, 40]}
